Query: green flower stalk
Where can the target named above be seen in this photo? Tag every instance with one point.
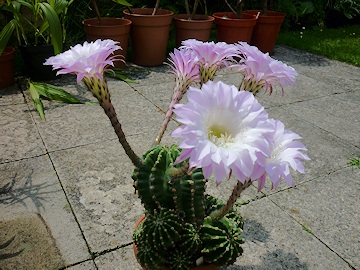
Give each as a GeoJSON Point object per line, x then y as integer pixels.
{"type": "Point", "coordinates": [186, 73]}
{"type": "Point", "coordinates": [89, 62]}
{"type": "Point", "coordinates": [99, 89]}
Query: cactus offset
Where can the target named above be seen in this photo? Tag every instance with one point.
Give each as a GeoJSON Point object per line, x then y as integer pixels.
{"type": "Point", "coordinates": [162, 229]}
{"type": "Point", "coordinates": [179, 259]}
{"type": "Point", "coordinates": [190, 239]}
{"type": "Point", "coordinates": [221, 239]}
{"type": "Point", "coordinates": [159, 187]}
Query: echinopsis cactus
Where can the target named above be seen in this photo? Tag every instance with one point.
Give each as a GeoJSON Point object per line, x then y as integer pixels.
{"type": "Point", "coordinates": [176, 231]}
{"type": "Point", "coordinates": [224, 131]}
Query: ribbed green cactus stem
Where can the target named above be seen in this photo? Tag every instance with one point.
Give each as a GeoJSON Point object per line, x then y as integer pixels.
{"type": "Point", "coordinates": [222, 239]}
{"type": "Point", "coordinates": [162, 228]}
{"type": "Point", "coordinates": [190, 239]}
{"type": "Point", "coordinates": [179, 91]}
{"type": "Point", "coordinates": [100, 90]}
{"type": "Point", "coordinates": [238, 189]}
{"type": "Point", "coordinates": [252, 85]}
{"type": "Point", "coordinates": [161, 184]}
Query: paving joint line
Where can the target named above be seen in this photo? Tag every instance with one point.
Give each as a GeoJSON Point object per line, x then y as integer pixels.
{"type": "Point", "coordinates": [61, 185]}
{"type": "Point", "coordinates": [313, 234]}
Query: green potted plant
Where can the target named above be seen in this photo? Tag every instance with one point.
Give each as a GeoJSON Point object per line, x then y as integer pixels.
{"type": "Point", "coordinates": [234, 26]}
{"type": "Point", "coordinates": [191, 24]}
{"type": "Point", "coordinates": [109, 28]}
{"type": "Point", "coordinates": [39, 29]}
{"type": "Point", "coordinates": [223, 131]}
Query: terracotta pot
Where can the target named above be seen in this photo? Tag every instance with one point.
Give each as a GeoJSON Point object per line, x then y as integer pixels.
{"type": "Point", "coordinates": [111, 28]}
{"type": "Point", "coordinates": [149, 35]}
{"type": "Point", "coordinates": [231, 29]}
{"type": "Point", "coordinates": [199, 267]}
{"type": "Point", "coordinates": [266, 30]}
{"type": "Point", "coordinates": [7, 75]}
{"type": "Point", "coordinates": [199, 28]}
{"type": "Point", "coordinates": [34, 58]}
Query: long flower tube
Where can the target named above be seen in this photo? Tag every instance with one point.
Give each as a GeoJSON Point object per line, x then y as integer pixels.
{"type": "Point", "coordinates": [89, 62]}
{"type": "Point", "coordinates": [184, 65]}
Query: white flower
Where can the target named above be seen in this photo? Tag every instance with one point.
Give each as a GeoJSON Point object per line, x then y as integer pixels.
{"type": "Point", "coordinates": [223, 130]}
{"type": "Point", "coordinates": [285, 153]}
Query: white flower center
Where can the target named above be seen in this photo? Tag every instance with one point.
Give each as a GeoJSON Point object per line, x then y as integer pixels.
{"type": "Point", "coordinates": [220, 136]}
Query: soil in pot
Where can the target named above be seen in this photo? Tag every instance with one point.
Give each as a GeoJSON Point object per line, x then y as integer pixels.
{"type": "Point", "coordinates": [198, 28]}
{"type": "Point", "coordinates": [149, 35]}
{"type": "Point", "coordinates": [111, 28]}
{"type": "Point", "coordinates": [231, 29]}
{"type": "Point", "coordinates": [7, 75]}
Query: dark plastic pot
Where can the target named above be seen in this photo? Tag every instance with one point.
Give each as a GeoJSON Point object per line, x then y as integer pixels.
{"type": "Point", "coordinates": [34, 58]}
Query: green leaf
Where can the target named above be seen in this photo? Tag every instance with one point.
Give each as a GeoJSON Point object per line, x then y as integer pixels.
{"type": "Point", "coordinates": [306, 7]}
{"type": "Point", "coordinates": [36, 99]}
{"type": "Point", "coordinates": [123, 2]}
{"type": "Point", "coordinates": [55, 93]}
{"type": "Point", "coordinates": [54, 26]}
{"type": "Point", "coordinates": [6, 33]}
{"type": "Point", "coordinates": [51, 92]}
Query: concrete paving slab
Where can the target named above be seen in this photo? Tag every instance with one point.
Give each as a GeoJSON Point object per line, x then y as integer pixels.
{"type": "Point", "coordinates": [122, 258]}
{"type": "Point", "coordinates": [95, 174]}
{"type": "Point", "coordinates": [31, 187]}
{"type": "Point", "coordinates": [306, 88]}
{"type": "Point", "coordinates": [273, 240]}
{"type": "Point", "coordinates": [11, 96]}
{"type": "Point", "coordinates": [88, 265]}
{"type": "Point", "coordinates": [97, 179]}
{"type": "Point", "coordinates": [336, 74]}
{"type": "Point", "coordinates": [19, 137]}
{"type": "Point", "coordinates": [74, 125]}
{"type": "Point", "coordinates": [328, 113]}
{"type": "Point", "coordinates": [28, 244]}
{"type": "Point", "coordinates": [328, 152]}
{"type": "Point", "coordinates": [158, 94]}
{"type": "Point", "coordinates": [329, 207]}
{"type": "Point", "coordinates": [149, 75]}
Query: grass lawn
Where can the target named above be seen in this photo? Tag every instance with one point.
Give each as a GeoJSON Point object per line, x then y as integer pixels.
{"type": "Point", "coordinates": [341, 44]}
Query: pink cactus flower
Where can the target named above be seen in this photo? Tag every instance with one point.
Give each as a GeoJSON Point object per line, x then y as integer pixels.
{"type": "Point", "coordinates": [262, 71]}
{"type": "Point", "coordinates": [87, 60]}
{"type": "Point", "coordinates": [285, 152]}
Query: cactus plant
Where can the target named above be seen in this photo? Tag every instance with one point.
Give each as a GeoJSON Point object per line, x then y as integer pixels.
{"type": "Point", "coordinates": [158, 186]}
{"type": "Point", "coordinates": [223, 132]}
